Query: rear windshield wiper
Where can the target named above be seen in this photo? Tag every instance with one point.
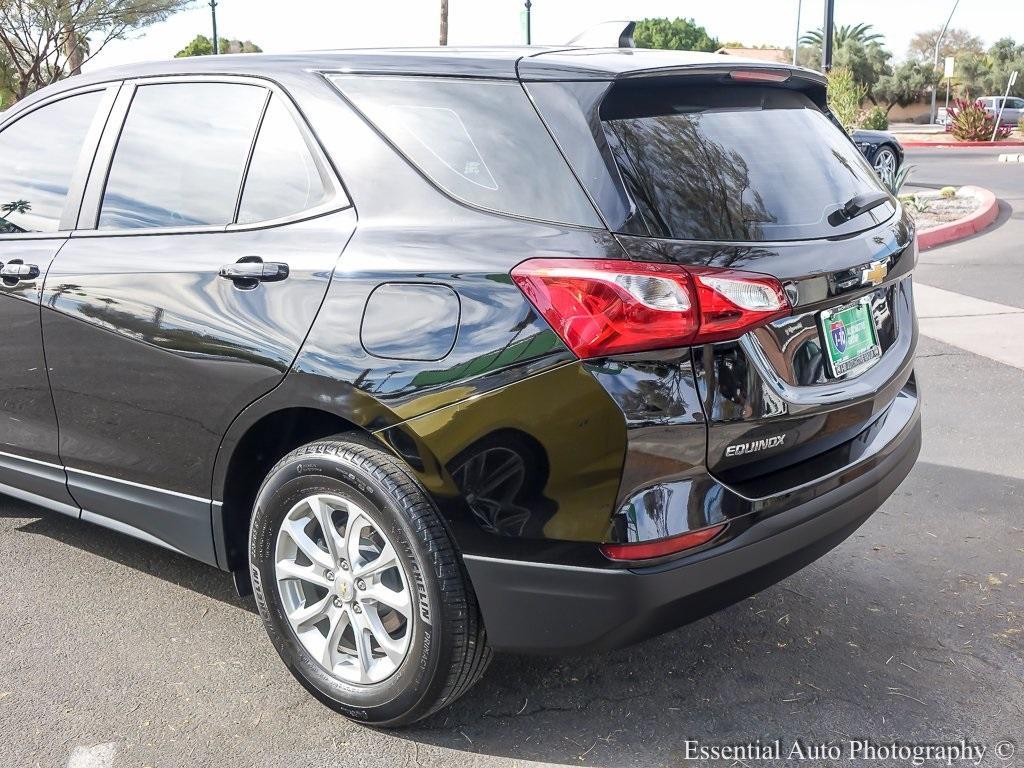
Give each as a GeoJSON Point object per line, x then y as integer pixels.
{"type": "Point", "coordinates": [855, 206]}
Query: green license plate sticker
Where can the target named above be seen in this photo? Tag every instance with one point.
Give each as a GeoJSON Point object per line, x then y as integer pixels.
{"type": "Point", "coordinates": [850, 338]}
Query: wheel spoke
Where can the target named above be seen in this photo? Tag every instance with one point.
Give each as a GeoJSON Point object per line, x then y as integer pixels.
{"type": "Point", "coordinates": [322, 513]}
{"type": "Point", "coordinates": [307, 613]}
{"type": "Point", "coordinates": [339, 621]}
{"type": "Point", "coordinates": [381, 595]}
{"type": "Point", "coordinates": [364, 653]}
{"type": "Point", "coordinates": [395, 649]}
{"type": "Point", "coordinates": [296, 530]}
{"type": "Point", "coordinates": [357, 523]}
{"type": "Point", "coordinates": [289, 569]}
{"type": "Point", "coordinates": [382, 562]}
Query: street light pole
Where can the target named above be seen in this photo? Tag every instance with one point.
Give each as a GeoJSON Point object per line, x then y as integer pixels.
{"type": "Point", "coordinates": [213, 12]}
{"type": "Point", "coordinates": [935, 61]}
{"type": "Point", "coordinates": [826, 48]}
{"type": "Point", "coordinates": [796, 40]}
{"type": "Point", "coordinates": [529, 5]}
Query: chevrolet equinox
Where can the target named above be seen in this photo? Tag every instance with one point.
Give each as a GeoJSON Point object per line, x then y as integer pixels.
{"type": "Point", "coordinates": [446, 352]}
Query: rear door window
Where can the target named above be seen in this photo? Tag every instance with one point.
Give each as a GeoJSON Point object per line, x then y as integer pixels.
{"type": "Point", "coordinates": [481, 141]}
{"type": "Point", "coordinates": [181, 155]}
{"type": "Point", "coordinates": [38, 157]}
{"type": "Point", "coordinates": [734, 163]}
{"type": "Point", "coordinates": [283, 178]}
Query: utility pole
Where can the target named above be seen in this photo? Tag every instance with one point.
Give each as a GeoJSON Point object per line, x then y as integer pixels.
{"type": "Point", "coordinates": [826, 43]}
{"type": "Point", "coordinates": [796, 40]}
{"type": "Point", "coordinates": [935, 61]}
{"type": "Point", "coordinates": [213, 12]}
{"type": "Point", "coordinates": [529, 5]}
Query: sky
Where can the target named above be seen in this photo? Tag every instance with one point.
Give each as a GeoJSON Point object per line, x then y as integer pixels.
{"type": "Point", "coordinates": [295, 25]}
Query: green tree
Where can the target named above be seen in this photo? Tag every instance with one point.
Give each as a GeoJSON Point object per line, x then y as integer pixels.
{"type": "Point", "coordinates": [43, 38]}
{"type": "Point", "coordinates": [676, 34]}
{"type": "Point", "coordinates": [905, 84]}
{"type": "Point", "coordinates": [867, 63]}
{"type": "Point", "coordinates": [201, 45]}
{"type": "Point", "coordinates": [861, 33]}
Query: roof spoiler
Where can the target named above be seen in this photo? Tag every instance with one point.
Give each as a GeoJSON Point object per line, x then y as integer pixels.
{"type": "Point", "coordinates": [607, 34]}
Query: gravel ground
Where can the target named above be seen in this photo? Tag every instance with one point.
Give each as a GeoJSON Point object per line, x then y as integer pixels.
{"type": "Point", "coordinates": [929, 209]}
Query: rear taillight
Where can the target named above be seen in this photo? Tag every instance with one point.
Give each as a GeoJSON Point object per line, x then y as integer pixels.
{"type": "Point", "coordinates": [648, 550]}
{"type": "Point", "coordinates": [604, 306]}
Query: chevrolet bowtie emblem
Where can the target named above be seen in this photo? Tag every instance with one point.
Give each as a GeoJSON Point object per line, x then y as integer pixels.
{"type": "Point", "coordinates": [875, 273]}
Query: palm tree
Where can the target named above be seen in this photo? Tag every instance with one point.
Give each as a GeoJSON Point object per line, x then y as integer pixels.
{"type": "Point", "coordinates": [16, 206]}
{"type": "Point", "coordinates": [859, 33]}
{"type": "Point", "coordinates": [444, 22]}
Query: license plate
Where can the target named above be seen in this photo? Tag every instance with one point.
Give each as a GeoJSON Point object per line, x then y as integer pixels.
{"type": "Point", "coordinates": [851, 341]}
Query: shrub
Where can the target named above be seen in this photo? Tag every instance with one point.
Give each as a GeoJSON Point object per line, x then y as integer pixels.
{"type": "Point", "coordinates": [1020, 124]}
{"type": "Point", "coordinates": [947, 193]}
{"type": "Point", "coordinates": [875, 119]}
{"type": "Point", "coordinates": [968, 121]}
{"type": "Point", "coordinates": [844, 96]}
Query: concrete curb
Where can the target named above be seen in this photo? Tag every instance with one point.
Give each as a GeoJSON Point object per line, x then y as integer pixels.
{"type": "Point", "coordinates": [970, 224]}
{"type": "Point", "coordinates": [961, 144]}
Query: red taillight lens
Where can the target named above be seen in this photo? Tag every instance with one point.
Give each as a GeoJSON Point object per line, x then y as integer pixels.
{"type": "Point", "coordinates": [732, 303]}
{"type": "Point", "coordinates": [648, 550]}
{"type": "Point", "coordinates": [602, 307]}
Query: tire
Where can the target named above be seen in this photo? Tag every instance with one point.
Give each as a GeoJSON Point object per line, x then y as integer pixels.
{"type": "Point", "coordinates": [332, 483]}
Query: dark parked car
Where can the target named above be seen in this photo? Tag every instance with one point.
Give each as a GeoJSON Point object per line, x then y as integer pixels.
{"type": "Point", "coordinates": [447, 351]}
{"type": "Point", "coordinates": [882, 149]}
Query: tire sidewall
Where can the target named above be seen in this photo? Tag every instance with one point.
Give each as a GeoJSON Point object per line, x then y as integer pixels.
{"type": "Point", "coordinates": [413, 682]}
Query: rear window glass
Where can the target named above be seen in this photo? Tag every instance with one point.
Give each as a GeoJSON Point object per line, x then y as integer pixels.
{"type": "Point", "coordinates": [480, 141]}
{"type": "Point", "coordinates": [734, 163]}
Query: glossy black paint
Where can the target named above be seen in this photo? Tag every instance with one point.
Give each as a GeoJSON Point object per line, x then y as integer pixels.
{"type": "Point", "coordinates": [869, 142]}
{"type": "Point", "coordinates": [176, 388]}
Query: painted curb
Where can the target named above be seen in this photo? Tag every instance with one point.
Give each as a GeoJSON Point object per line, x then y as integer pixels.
{"type": "Point", "coordinates": [961, 144]}
{"type": "Point", "coordinates": [970, 224]}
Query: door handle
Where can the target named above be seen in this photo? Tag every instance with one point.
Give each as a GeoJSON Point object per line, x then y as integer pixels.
{"type": "Point", "coordinates": [249, 271]}
{"type": "Point", "coordinates": [16, 270]}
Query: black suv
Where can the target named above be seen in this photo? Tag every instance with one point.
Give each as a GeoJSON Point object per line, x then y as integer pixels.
{"type": "Point", "coordinates": [446, 351]}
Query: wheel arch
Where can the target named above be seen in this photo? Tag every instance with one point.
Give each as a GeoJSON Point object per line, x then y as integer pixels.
{"type": "Point", "coordinates": [245, 459]}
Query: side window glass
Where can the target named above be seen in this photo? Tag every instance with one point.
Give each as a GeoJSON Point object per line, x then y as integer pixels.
{"type": "Point", "coordinates": [283, 178]}
{"type": "Point", "coordinates": [481, 141]}
{"type": "Point", "coordinates": [38, 156]}
{"type": "Point", "coordinates": [181, 155]}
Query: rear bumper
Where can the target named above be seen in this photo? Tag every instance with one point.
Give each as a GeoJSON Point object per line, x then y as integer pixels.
{"type": "Point", "coordinates": [547, 608]}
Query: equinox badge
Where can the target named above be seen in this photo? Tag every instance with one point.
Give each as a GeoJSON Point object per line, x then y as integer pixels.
{"type": "Point", "coordinates": [754, 446]}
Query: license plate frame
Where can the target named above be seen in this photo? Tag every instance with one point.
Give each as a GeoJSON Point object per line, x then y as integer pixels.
{"type": "Point", "coordinates": [849, 338]}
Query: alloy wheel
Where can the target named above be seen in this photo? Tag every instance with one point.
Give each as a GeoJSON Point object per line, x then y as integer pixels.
{"type": "Point", "coordinates": [344, 589]}
{"type": "Point", "coordinates": [885, 163]}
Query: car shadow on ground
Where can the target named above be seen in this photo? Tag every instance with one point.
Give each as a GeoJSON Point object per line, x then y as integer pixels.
{"type": "Point", "coordinates": [118, 547]}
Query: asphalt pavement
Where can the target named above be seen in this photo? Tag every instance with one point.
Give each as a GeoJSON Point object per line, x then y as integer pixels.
{"type": "Point", "coordinates": [117, 653]}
